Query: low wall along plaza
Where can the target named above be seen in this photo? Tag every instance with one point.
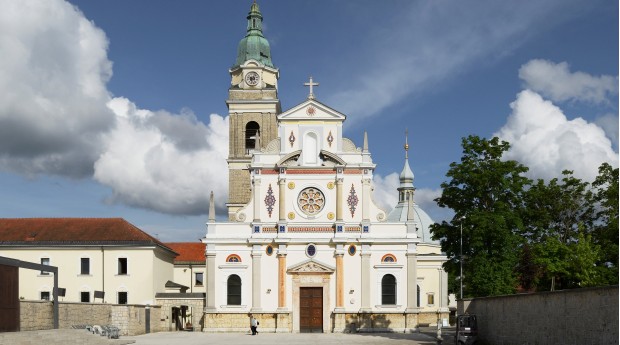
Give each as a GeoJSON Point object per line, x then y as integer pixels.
{"type": "Point", "coordinates": [130, 319]}
{"type": "Point", "coordinates": [579, 316]}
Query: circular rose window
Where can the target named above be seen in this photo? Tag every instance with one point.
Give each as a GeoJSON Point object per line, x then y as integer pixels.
{"type": "Point", "coordinates": [311, 201]}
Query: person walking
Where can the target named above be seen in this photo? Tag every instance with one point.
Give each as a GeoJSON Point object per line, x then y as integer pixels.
{"type": "Point", "coordinates": [253, 325]}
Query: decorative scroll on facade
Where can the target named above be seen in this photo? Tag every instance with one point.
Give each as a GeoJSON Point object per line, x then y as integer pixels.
{"type": "Point", "coordinates": [270, 200]}
{"type": "Point", "coordinates": [352, 201]}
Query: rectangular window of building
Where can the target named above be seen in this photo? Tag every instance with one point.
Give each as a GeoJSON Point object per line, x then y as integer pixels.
{"type": "Point", "coordinates": [122, 266]}
{"type": "Point", "coordinates": [199, 279]}
{"type": "Point", "coordinates": [85, 296]}
{"type": "Point", "coordinates": [45, 295]}
{"type": "Point", "coordinates": [84, 266]}
{"type": "Point", "coordinates": [45, 261]}
{"type": "Point", "coordinates": [431, 299]}
{"type": "Point", "coordinates": [122, 297]}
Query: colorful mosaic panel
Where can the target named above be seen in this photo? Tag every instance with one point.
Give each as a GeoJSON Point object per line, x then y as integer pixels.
{"type": "Point", "coordinates": [270, 200]}
{"type": "Point", "coordinates": [352, 201]}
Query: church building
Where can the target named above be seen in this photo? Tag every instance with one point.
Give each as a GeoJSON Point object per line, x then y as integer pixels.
{"type": "Point", "coordinates": [305, 248]}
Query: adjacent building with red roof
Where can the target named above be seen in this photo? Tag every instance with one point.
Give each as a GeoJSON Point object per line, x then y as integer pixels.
{"type": "Point", "coordinates": [109, 256]}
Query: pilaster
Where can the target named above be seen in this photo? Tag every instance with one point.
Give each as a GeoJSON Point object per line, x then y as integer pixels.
{"type": "Point", "coordinates": [257, 253]}
{"type": "Point", "coordinates": [210, 267]}
{"type": "Point", "coordinates": [365, 256]}
{"type": "Point", "coordinates": [339, 254]}
{"type": "Point", "coordinates": [282, 277]}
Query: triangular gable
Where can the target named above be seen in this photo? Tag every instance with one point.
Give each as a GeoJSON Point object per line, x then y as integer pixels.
{"type": "Point", "coordinates": [312, 110]}
{"type": "Point", "coordinates": [311, 266]}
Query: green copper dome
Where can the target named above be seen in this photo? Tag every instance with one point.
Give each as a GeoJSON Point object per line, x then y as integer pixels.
{"type": "Point", "coordinates": [254, 45]}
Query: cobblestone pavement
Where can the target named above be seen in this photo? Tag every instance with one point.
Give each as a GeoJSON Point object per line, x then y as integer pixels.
{"type": "Point", "coordinates": [196, 338]}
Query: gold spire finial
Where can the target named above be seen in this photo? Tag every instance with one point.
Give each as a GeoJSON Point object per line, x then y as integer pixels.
{"type": "Point", "coordinates": [406, 144]}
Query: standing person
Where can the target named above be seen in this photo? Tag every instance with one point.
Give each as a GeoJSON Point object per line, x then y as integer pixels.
{"type": "Point", "coordinates": [253, 325]}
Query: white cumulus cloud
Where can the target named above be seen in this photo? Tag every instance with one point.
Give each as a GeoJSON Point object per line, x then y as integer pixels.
{"type": "Point", "coordinates": [164, 162]}
{"type": "Point", "coordinates": [385, 194]}
{"type": "Point", "coordinates": [53, 74]}
{"type": "Point", "coordinates": [57, 117]}
{"type": "Point", "coordinates": [556, 82]}
{"type": "Point", "coordinates": [543, 139]}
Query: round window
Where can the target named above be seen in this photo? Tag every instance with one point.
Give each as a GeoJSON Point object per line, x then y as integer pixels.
{"type": "Point", "coordinates": [311, 250]}
{"type": "Point", "coordinates": [352, 250]}
{"type": "Point", "coordinates": [269, 250]}
{"type": "Point", "coordinates": [311, 201]}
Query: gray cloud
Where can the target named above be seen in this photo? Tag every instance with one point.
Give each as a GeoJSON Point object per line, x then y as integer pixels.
{"type": "Point", "coordinates": [53, 89]}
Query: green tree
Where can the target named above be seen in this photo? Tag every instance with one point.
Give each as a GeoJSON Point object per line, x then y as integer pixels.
{"type": "Point", "coordinates": [606, 229]}
{"type": "Point", "coordinates": [558, 215]}
{"type": "Point", "coordinates": [486, 194]}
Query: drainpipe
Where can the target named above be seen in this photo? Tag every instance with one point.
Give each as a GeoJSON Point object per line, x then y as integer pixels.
{"type": "Point", "coordinates": [103, 273]}
{"type": "Point", "coordinates": [191, 278]}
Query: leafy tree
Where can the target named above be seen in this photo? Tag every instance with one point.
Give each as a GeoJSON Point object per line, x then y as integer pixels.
{"type": "Point", "coordinates": [606, 229]}
{"type": "Point", "coordinates": [486, 194]}
{"type": "Point", "coordinates": [557, 216]}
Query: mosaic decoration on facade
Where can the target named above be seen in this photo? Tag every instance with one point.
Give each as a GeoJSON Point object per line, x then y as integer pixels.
{"type": "Point", "coordinates": [270, 200]}
{"type": "Point", "coordinates": [291, 138]}
{"type": "Point", "coordinates": [352, 201]}
{"type": "Point", "coordinates": [233, 258]}
{"type": "Point", "coordinates": [388, 258]}
{"type": "Point", "coordinates": [311, 201]}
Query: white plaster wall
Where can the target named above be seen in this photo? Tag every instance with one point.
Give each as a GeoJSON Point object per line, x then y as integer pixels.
{"type": "Point", "coordinates": [352, 279]}
{"type": "Point", "coordinates": [139, 283]}
{"type": "Point", "coordinates": [184, 274]}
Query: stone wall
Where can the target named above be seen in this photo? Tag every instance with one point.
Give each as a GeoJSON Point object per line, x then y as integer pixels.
{"type": "Point", "coordinates": [130, 319]}
{"type": "Point", "coordinates": [382, 322]}
{"type": "Point", "coordinates": [197, 317]}
{"type": "Point", "coordinates": [240, 322]}
{"type": "Point", "coordinates": [579, 316]}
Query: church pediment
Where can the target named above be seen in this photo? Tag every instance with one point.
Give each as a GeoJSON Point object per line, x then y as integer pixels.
{"type": "Point", "coordinates": [311, 266]}
{"type": "Point", "coordinates": [311, 110]}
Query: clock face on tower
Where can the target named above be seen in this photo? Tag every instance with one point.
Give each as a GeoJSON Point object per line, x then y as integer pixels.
{"type": "Point", "coordinates": [252, 78]}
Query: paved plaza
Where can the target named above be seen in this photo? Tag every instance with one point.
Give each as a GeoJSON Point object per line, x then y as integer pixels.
{"type": "Point", "coordinates": [196, 338]}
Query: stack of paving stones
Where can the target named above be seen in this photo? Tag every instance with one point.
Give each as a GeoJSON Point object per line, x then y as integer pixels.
{"type": "Point", "coordinates": [58, 337]}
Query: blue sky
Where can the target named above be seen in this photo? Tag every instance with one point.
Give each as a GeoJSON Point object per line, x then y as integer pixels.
{"type": "Point", "coordinates": [117, 108]}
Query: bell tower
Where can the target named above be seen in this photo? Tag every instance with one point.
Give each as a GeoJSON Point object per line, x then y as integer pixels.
{"type": "Point", "coordinates": [253, 105]}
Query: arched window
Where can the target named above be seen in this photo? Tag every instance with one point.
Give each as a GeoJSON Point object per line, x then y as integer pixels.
{"type": "Point", "coordinates": [234, 290]}
{"type": "Point", "coordinates": [388, 258]}
{"type": "Point", "coordinates": [233, 258]}
{"type": "Point", "coordinates": [252, 130]}
{"type": "Point", "coordinates": [388, 289]}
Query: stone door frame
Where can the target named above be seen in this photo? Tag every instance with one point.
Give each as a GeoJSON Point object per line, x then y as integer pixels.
{"type": "Point", "coordinates": [311, 273]}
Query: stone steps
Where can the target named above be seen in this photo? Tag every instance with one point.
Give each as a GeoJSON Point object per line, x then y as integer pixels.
{"type": "Point", "coordinates": [58, 337]}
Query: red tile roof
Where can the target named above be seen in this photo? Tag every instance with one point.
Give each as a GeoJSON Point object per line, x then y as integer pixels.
{"type": "Point", "coordinates": [189, 252]}
{"type": "Point", "coordinates": [96, 231]}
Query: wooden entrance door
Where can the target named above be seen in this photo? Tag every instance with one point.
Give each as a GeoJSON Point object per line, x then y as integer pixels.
{"type": "Point", "coordinates": [311, 309]}
{"type": "Point", "coordinates": [9, 298]}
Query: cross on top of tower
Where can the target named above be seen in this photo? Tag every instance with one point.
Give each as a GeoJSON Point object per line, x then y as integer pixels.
{"type": "Point", "coordinates": [311, 84]}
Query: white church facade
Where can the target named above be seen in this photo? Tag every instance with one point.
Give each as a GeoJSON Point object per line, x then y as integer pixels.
{"type": "Point", "coordinates": [305, 248]}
